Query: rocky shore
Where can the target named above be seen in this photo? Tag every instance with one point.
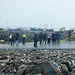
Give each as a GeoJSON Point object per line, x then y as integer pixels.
{"type": "Point", "coordinates": [37, 62]}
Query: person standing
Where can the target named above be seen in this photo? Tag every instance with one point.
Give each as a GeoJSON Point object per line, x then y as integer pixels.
{"type": "Point", "coordinates": [54, 37]}
{"type": "Point", "coordinates": [13, 39]}
{"type": "Point", "coordinates": [24, 38]}
{"type": "Point", "coordinates": [10, 39]}
{"type": "Point", "coordinates": [48, 37]}
{"type": "Point", "coordinates": [44, 37]}
{"type": "Point", "coordinates": [17, 39]}
{"type": "Point", "coordinates": [40, 38]}
{"type": "Point", "coordinates": [35, 39]}
{"type": "Point", "coordinates": [58, 37]}
{"type": "Point", "coordinates": [69, 35]}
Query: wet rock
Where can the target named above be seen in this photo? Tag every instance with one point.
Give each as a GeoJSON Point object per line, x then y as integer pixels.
{"type": "Point", "coordinates": [7, 69]}
{"type": "Point", "coordinates": [21, 72]}
{"type": "Point", "coordinates": [37, 57]}
{"type": "Point", "coordinates": [73, 58]}
{"type": "Point", "coordinates": [64, 69]}
{"type": "Point", "coordinates": [3, 57]}
{"type": "Point", "coordinates": [56, 67]}
{"type": "Point", "coordinates": [73, 63]}
{"type": "Point", "coordinates": [12, 58]}
{"type": "Point", "coordinates": [2, 41]}
{"type": "Point", "coordinates": [44, 68]}
{"type": "Point", "coordinates": [67, 63]}
{"type": "Point", "coordinates": [29, 70]}
{"type": "Point", "coordinates": [22, 66]}
{"type": "Point", "coordinates": [33, 63]}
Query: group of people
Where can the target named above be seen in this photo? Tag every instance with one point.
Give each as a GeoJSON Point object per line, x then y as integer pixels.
{"type": "Point", "coordinates": [43, 37]}
{"type": "Point", "coordinates": [15, 38]}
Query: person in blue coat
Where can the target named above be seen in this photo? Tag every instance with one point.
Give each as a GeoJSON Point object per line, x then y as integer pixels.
{"type": "Point", "coordinates": [58, 37]}
{"type": "Point", "coordinates": [54, 37]}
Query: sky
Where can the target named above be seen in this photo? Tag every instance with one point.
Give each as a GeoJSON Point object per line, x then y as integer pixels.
{"type": "Point", "coordinates": [37, 13]}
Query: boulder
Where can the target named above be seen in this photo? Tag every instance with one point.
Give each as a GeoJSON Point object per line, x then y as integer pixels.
{"type": "Point", "coordinates": [67, 63]}
{"type": "Point", "coordinates": [44, 68]}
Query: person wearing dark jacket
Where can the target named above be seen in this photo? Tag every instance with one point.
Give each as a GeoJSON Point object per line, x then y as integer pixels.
{"type": "Point", "coordinates": [44, 37]}
{"type": "Point", "coordinates": [17, 39]}
{"type": "Point", "coordinates": [49, 37]}
{"type": "Point", "coordinates": [40, 37]}
{"type": "Point", "coordinates": [35, 39]}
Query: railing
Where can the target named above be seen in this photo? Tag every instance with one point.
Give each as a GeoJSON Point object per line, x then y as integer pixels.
{"type": "Point", "coordinates": [66, 39]}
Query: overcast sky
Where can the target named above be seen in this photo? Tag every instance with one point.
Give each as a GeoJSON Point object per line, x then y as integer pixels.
{"type": "Point", "coordinates": [37, 13]}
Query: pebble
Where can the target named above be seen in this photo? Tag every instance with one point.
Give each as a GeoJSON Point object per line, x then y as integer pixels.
{"type": "Point", "coordinates": [14, 61]}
